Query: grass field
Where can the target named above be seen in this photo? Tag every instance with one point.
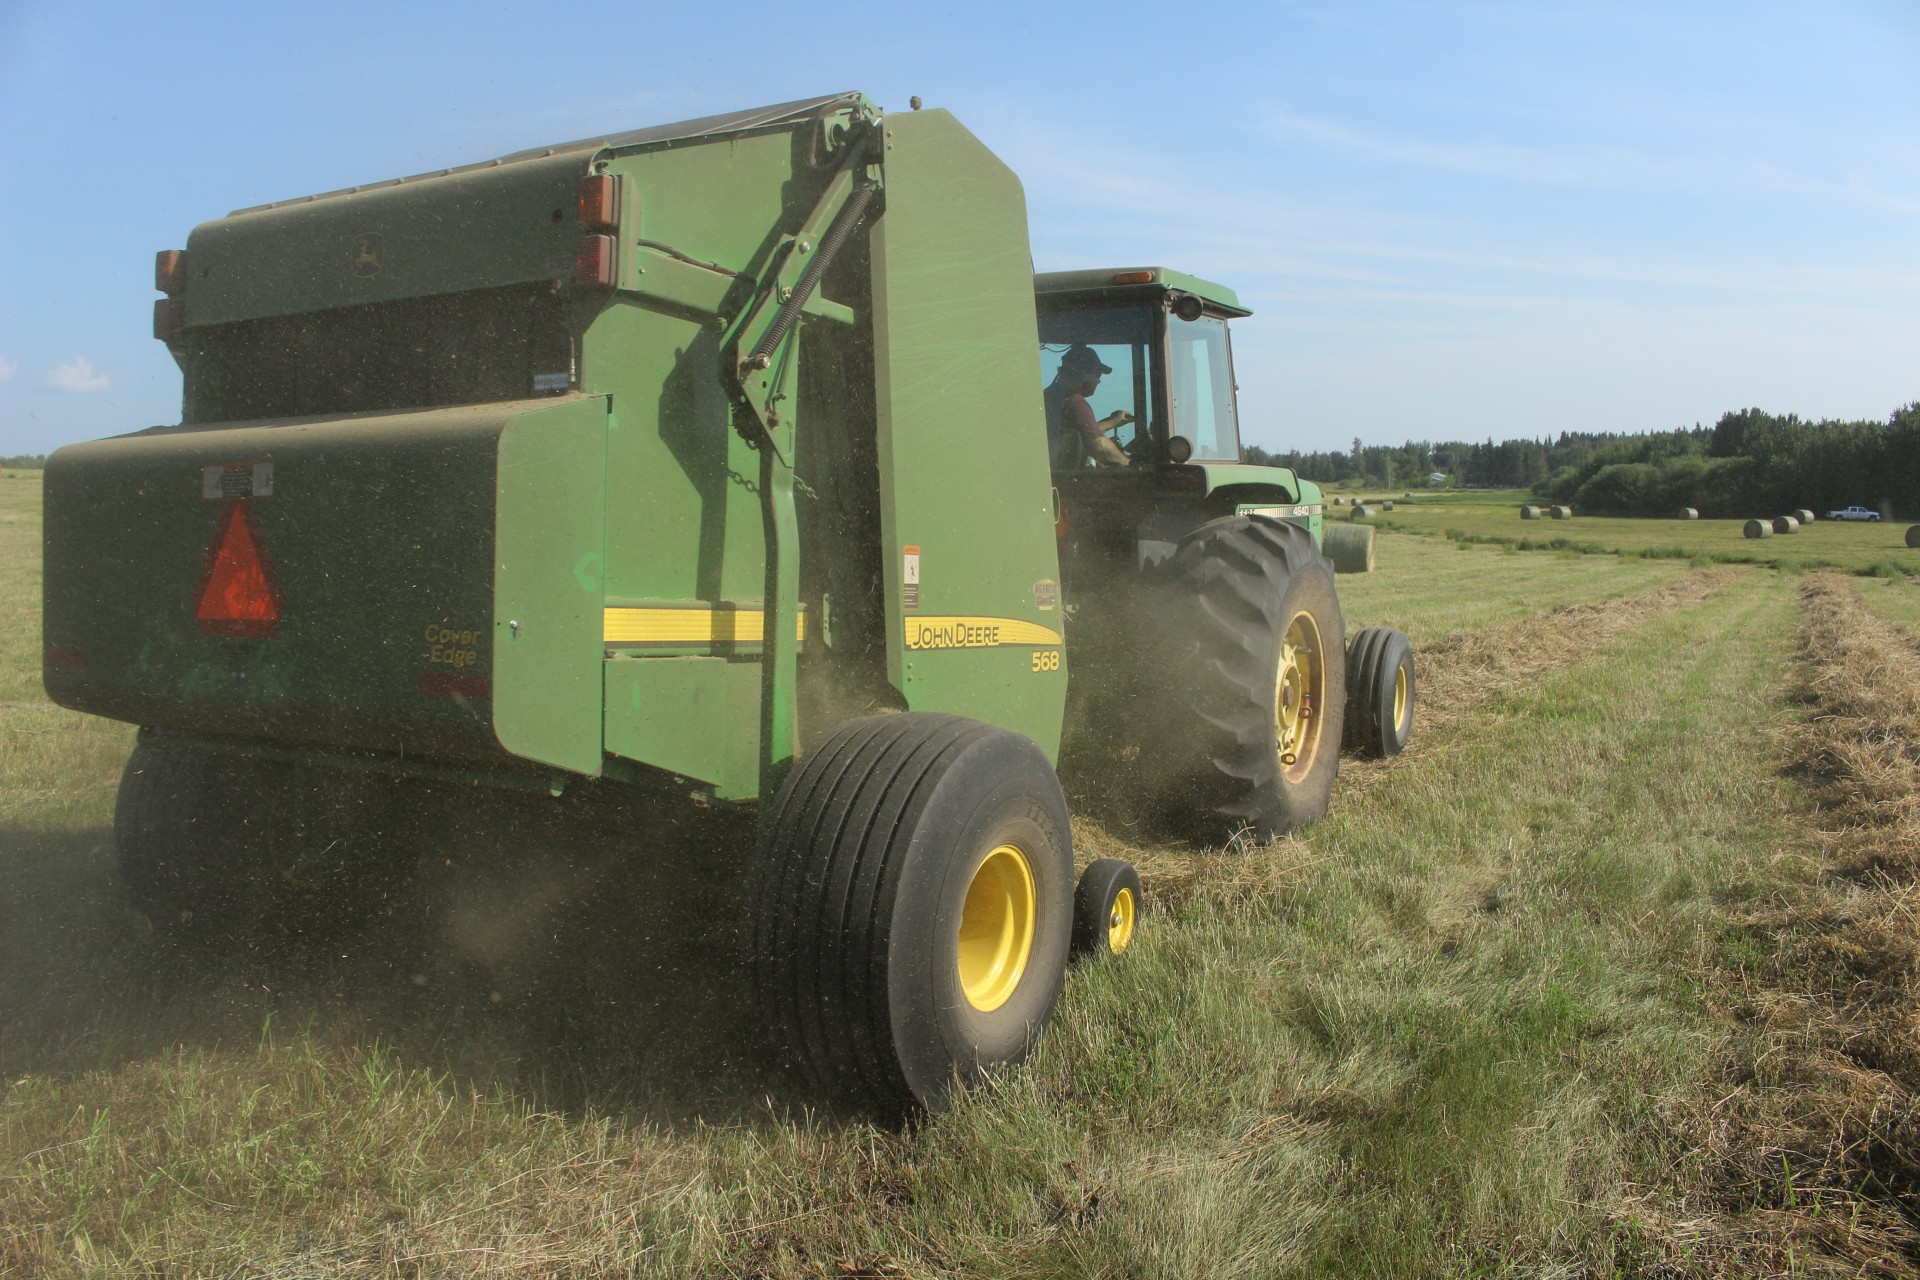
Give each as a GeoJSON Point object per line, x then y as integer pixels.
{"type": "Point", "coordinates": [1470, 514]}
{"type": "Point", "coordinates": [1612, 973]}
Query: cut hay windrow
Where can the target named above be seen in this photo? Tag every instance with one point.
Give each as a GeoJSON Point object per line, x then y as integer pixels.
{"type": "Point", "coordinates": [1458, 675]}
{"type": "Point", "coordinates": [1818, 1137]}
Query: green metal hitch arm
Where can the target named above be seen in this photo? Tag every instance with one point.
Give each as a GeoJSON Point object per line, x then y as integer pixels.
{"type": "Point", "coordinates": [767, 331]}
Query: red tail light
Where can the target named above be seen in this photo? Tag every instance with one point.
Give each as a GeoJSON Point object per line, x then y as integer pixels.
{"type": "Point", "coordinates": [169, 317]}
{"type": "Point", "coordinates": [170, 271]}
{"type": "Point", "coordinates": [593, 261]}
{"type": "Point", "coordinates": [599, 202]}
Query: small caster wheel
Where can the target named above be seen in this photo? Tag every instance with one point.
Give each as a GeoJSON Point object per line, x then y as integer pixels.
{"type": "Point", "coordinates": [1106, 910]}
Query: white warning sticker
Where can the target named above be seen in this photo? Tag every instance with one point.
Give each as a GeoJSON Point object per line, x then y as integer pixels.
{"type": "Point", "coordinates": [910, 578]}
{"type": "Point", "coordinates": [237, 480]}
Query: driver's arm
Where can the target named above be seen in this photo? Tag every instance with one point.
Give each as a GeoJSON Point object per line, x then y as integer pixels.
{"type": "Point", "coordinates": [1103, 451]}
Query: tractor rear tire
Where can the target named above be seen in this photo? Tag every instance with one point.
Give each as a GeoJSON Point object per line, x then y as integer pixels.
{"type": "Point", "coordinates": [912, 908]}
{"type": "Point", "coordinates": [1256, 657]}
{"type": "Point", "coordinates": [1380, 692]}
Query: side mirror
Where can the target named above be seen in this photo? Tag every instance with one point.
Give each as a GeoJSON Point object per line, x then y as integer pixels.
{"type": "Point", "coordinates": [1179, 449]}
{"type": "Point", "coordinates": [1189, 307]}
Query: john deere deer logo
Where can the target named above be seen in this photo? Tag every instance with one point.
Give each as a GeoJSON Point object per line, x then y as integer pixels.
{"type": "Point", "coordinates": [367, 248]}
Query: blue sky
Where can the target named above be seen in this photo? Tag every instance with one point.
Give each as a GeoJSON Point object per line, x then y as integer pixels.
{"type": "Point", "coordinates": [1452, 220]}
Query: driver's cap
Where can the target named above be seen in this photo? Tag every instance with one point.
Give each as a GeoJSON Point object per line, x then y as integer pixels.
{"type": "Point", "coordinates": [1081, 359]}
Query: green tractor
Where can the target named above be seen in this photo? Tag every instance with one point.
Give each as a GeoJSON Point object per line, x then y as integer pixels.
{"type": "Point", "coordinates": [707, 462]}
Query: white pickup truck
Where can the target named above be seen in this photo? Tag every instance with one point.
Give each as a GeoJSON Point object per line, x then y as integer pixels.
{"type": "Point", "coordinates": [1853, 513]}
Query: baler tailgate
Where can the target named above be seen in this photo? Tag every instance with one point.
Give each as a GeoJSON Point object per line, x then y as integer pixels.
{"type": "Point", "coordinates": [329, 581]}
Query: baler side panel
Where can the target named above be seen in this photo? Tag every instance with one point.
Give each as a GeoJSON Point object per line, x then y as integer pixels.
{"type": "Point", "coordinates": [683, 521]}
{"type": "Point", "coordinates": [963, 460]}
{"type": "Point", "coordinates": [549, 563]}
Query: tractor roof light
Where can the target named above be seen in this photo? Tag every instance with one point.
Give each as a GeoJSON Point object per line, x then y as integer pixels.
{"type": "Point", "coordinates": [1134, 277]}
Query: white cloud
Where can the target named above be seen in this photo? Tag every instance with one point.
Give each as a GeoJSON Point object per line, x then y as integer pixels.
{"type": "Point", "coordinates": [76, 375]}
{"type": "Point", "coordinates": [7, 368]}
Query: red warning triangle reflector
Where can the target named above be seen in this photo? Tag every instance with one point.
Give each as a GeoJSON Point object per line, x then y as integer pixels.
{"type": "Point", "coordinates": [239, 596]}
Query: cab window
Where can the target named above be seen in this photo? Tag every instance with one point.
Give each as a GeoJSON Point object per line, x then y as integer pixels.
{"type": "Point", "coordinates": [1201, 375]}
{"type": "Point", "coordinates": [1122, 340]}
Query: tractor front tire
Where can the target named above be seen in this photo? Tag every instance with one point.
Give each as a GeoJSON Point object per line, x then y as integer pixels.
{"type": "Point", "coordinates": [1380, 692]}
{"type": "Point", "coordinates": [912, 908]}
{"type": "Point", "coordinates": [1255, 653]}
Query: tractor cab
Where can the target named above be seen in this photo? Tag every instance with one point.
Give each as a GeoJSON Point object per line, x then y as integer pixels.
{"type": "Point", "coordinates": [1142, 423]}
{"type": "Point", "coordinates": [1151, 345]}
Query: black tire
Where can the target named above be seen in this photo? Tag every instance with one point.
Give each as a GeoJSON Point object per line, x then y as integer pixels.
{"type": "Point", "coordinates": [866, 863]}
{"type": "Point", "coordinates": [1246, 751]}
{"type": "Point", "coordinates": [187, 843]}
{"type": "Point", "coordinates": [1380, 692]}
{"type": "Point", "coordinates": [1106, 909]}
{"type": "Point", "coordinates": [215, 846]}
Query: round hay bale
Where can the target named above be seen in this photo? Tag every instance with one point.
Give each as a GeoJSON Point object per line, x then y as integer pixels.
{"type": "Point", "coordinates": [1757, 529]}
{"type": "Point", "coordinates": [1803, 515]}
{"type": "Point", "coordinates": [1407, 494]}
{"type": "Point", "coordinates": [1563, 513]}
{"type": "Point", "coordinates": [1687, 513]}
{"type": "Point", "coordinates": [1913, 536]}
{"type": "Point", "coordinates": [1387, 505]}
{"type": "Point", "coordinates": [1339, 502]}
{"type": "Point", "coordinates": [1361, 511]}
{"type": "Point", "coordinates": [1529, 513]}
{"type": "Point", "coordinates": [1349, 546]}
{"type": "Point", "coordinates": [1785, 524]}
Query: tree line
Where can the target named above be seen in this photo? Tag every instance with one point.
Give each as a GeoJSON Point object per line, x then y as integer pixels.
{"type": "Point", "coordinates": [1749, 462]}
{"type": "Point", "coordinates": [25, 462]}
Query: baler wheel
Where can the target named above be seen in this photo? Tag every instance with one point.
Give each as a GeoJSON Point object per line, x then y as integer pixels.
{"type": "Point", "coordinates": [913, 908]}
{"type": "Point", "coordinates": [1380, 692]}
{"type": "Point", "coordinates": [216, 847]}
{"type": "Point", "coordinates": [1106, 910]}
{"type": "Point", "coordinates": [1260, 684]}
{"type": "Point", "coordinates": [181, 833]}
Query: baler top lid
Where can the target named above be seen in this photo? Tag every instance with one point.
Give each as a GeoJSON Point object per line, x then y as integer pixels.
{"type": "Point", "coordinates": [685, 130]}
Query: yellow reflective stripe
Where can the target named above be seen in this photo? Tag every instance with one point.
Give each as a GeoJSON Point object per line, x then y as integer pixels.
{"type": "Point", "coordinates": [964, 632]}
{"type": "Point", "coordinates": [626, 625]}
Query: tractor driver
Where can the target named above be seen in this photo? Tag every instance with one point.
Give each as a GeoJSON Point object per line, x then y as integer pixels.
{"type": "Point", "coordinates": [1072, 431]}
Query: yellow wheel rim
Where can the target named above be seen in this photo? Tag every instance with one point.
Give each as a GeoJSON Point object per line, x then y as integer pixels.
{"type": "Point", "coordinates": [1120, 921]}
{"type": "Point", "coordinates": [996, 928]}
{"type": "Point", "coordinates": [1400, 698]}
{"type": "Point", "coordinates": [1298, 694]}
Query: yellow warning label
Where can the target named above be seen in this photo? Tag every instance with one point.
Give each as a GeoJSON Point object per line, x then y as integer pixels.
{"type": "Point", "coordinates": [976, 633]}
